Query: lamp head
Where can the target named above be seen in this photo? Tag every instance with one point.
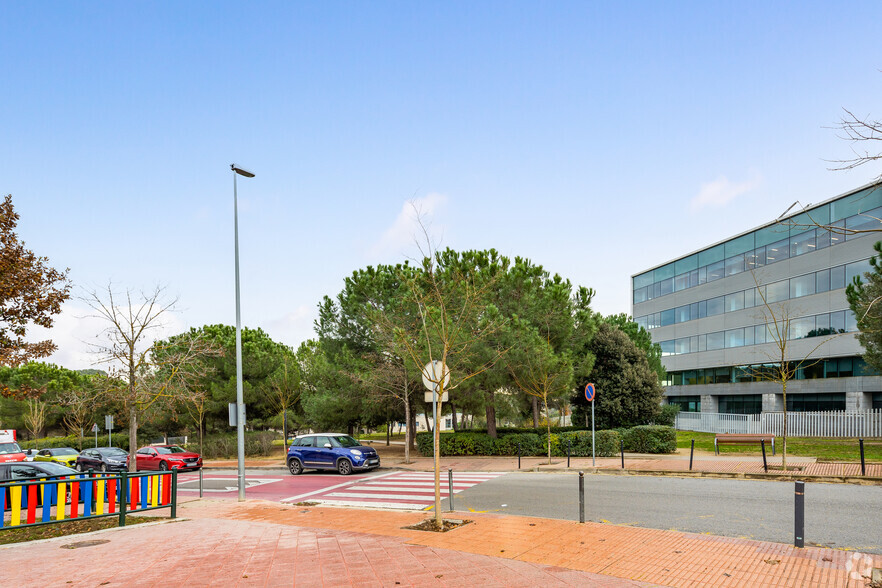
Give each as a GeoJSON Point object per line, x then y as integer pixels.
{"type": "Point", "coordinates": [241, 171]}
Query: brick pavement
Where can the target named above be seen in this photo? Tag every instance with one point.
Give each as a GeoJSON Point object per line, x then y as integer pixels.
{"type": "Point", "coordinates": [258, 543]}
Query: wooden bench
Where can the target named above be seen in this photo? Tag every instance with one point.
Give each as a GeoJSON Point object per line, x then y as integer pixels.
{"type": "Point", "coordinates": [742, 439]}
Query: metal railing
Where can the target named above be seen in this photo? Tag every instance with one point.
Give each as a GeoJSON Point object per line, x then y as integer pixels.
{"type": "Point", "coordinates": [864, 423]}
{"type": "Point", "coordinates": [57, 499]}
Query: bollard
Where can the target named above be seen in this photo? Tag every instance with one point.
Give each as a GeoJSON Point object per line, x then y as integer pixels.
{"type": "Point", "coordinates": [623, 453]}
{"type": "Point", "coordinates": [799, 516]}
{"type": "Point", "coordinates": [581, 497]}
{"type": "Point", "coordinates": [765, 464]}
{"type": "Point", "coordinates": [450, 488]}
{"type": "Point", "coordinates": [863, 463]}
{"type": "Point", "coordinates": [174, 493]}
{"type": "Point", "coordinates": [691, 453]}
{"type": "Point", "coordinates": [123, 496]}
{"type": "Point", "coordinates": [200, 482]}
{"type": "Point", "coordinates": [569, 447]}
{"type": "Point", "coordinates": [519, 455]}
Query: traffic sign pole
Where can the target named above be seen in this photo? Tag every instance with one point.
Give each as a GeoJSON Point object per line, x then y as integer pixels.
{"type": "Point", "coordinates": [590, 393]}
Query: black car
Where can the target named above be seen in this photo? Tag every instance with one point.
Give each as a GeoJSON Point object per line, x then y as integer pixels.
{"type": "Point", "coordinates": [22, 471]}
{"type": "Point", "coordinates": [103, 459]}
{"type": "Point", "coordinates": [17, 471]}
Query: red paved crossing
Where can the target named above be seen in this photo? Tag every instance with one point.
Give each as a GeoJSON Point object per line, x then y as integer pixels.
{"type": "Point", "coordinates": [397, 490]}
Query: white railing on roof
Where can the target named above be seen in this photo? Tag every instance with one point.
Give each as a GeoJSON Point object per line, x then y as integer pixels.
{"type": "Point", "coordinates": [836, 423]}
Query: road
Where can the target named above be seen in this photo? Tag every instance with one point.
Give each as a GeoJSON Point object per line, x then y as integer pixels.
{"type": "Point", "coordinates": [842, 516]}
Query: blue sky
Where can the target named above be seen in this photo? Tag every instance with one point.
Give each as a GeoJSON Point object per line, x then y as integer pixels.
{"type": "Point", "coordinates": [597, 139]}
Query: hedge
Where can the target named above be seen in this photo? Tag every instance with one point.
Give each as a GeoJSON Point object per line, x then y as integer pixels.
{"type": "Point", "coordinates": [650, 439]}
{"type": "Point", "coordinates": [642, 439]}
{"type": "Point", "coordinates": [120, 440]}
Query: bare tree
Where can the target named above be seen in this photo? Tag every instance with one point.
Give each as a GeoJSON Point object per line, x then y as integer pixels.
{"type": "Point", "coordinates": [126, 346]}
{"type": "Point", "coordinates": [282, 389]}
{"type": "Point", "coordinates": [450, 291]}
{"type": "Point", "coordinates": [79, 402]}
{"type": "Point", "coordinates": [34, 416]}
{"type": "Point", "coordinates": [859, 132]}
{"type": "Point", "coordinates": [541, 373]}
{"type": "Point", "coordinates": [388, 376]}
{"type": "Point", "coordinates": [783, 364]}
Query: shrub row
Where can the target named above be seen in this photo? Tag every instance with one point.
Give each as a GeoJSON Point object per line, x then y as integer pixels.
{"type": "Point", "coordinates": [257, 443]}
{"type": "Point", "coordinates": [642, 439]}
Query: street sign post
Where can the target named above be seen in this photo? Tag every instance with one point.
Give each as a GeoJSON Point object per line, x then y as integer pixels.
{"type": "Point", "coordinates": [590, 393]}
{"type": "Point", "coordinates": [95, 430]}
{"type": "Point", "coordinates": [108, 424]}
{"type": "Point", "coordinates": [436, 375]}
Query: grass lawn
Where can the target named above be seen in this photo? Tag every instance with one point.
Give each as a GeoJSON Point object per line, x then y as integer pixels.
{"type": "Point", "coordinates": [75, 527]}
{"type": "Point", "coordinates": [825, 449]}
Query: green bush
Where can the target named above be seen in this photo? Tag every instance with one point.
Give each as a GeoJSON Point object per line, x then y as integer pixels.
{"type": "Point", "coordinates": [257, 444]}
{"type": "Point", "coordinates": [650, 439]}
{"type": "Point", "coordinates": [530, 444]}
{"type": "Point", "coordinates": [120, 440]}
{"type": "Point", "coordinates": [667, 416]}
{"type": "Point", "coordinates": [580, 443]}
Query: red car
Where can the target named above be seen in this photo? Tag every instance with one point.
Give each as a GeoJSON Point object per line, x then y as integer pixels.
{"type": "Point", "coordinates": [167, 457]}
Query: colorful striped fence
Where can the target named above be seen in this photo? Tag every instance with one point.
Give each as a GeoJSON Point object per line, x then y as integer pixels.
{"type": "Point", "coordinates": [67, 498]}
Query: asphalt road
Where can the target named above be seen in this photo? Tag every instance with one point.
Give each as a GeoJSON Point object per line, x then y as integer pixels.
{"type": "Point", "coordinates": [841, 516]}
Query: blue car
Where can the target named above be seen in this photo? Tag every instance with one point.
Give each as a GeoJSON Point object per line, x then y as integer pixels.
{"type": "Point", "coordinates": [330, 451]}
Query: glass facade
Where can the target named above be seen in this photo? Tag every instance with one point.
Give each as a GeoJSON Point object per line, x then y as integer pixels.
{"type": "Point", "coordinates": [686, 403]}
{"type": "Point", "coordinates": [841, 367]}
{"type": "Point", "coordinates": [741, 404]}
{"type": "Point", "coordinates": [805, 285]}
{"type": "Point", "coordinates": [841, 321]}
{"type": "Point", "coordinates": [796, 236]}
{"type": "Point", "coordinates": [815, 402]}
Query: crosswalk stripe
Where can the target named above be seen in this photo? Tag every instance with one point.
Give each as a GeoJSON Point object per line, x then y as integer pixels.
{"type": "Point", "coordinates": [386, 496]}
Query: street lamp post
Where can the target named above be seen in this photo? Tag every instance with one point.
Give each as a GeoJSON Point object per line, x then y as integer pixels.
{"type": "Point", "coordinates": [240, 403]}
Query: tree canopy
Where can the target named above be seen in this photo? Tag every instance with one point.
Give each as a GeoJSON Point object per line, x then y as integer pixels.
{"type": "Point", "coordinates": [31, 293]}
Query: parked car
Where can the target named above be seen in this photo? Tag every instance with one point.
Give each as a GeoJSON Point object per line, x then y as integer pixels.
{"type": "Point", "coordinates": [167, 457]}
{"type": "Point", "coordinates": [22, 471]}
{"type": "Point", "coordinates": [329, 451]}
{"type": "Point", "coordinates": [30, 454]}
{"type": "Point", "coordinates": [104, 459]}
{"type": "Point", "coordinates": [10, 451]}
{"type": "Point", "coordinates": [17, 471]}
{"type": "Point", "coordinates": [63, 455]}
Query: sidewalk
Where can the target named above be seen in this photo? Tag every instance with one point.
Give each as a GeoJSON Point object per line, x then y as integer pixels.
{"type": "Point", "coordinates": [257, 543]}
{"type": "Point", "coordinates": [742, 465]}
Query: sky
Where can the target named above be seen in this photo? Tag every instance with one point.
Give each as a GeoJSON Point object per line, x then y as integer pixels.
{"type": "Point", "coordinates": [596, 139]}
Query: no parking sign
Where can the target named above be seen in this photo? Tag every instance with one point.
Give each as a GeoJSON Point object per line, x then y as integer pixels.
{"type": "Point", "coordinates": [590, 392]}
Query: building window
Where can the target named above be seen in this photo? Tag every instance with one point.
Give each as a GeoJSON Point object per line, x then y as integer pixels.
{"type": "Point", "coordinates": [815, 402]}
{"type": "Point", "coordinates": [448, 423]}
{"type": "Point", "coordinates": [686, 403]}
{"type": "Point", "coordinates": [877, 399]}
{"type": "Point", "coordinates": [741, 404]}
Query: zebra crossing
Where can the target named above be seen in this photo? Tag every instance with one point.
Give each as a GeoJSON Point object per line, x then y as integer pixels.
{"type": "Point", "coordinates": [395, 490]}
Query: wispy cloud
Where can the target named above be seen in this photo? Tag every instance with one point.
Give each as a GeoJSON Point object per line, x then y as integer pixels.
{"type": "Point", "coordinates": [722, 191]}
{"type": "Point", "coordinates": [292, 328]}
{"type": "Point", "coordinates": [406, 230]}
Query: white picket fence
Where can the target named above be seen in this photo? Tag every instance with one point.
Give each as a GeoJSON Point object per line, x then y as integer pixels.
{"type": "Point", "coordinates": [865, 423]}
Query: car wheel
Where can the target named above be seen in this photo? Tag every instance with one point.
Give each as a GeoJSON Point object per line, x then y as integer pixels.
{"type": "Point", "coordinates": [295, 467]}
{"type": "Point", "coordinates": [344, 466]}
{"type": "Point", "coordinates": [163, 466]}
{"type": "Point", "coordinates": [79, 467]}
{"type": "Point", "coordinates": [103, 467]}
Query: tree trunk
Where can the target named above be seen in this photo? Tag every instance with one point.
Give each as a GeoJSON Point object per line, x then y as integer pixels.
{"type": "Point", "coordinates": [133, 437]}
{"type": "Point", "coordinates": [491, 414]}
{"type": "Point", "coordinates": [408, 434]}
{"type": "Point", "coordinates": [535, 402]}
{"type": "Point", "coordinates": [350, 429]}
{"type": "Point", "coordinates": [453, 414]}
{"type": "Point", "coordinates": [548, 423]}
{"type": "Point", "coordinates": [429, 427]}
{"type": "Point", "coordinates": [784, 436]}
{"type": "Point", "coordinates": [388, 432]}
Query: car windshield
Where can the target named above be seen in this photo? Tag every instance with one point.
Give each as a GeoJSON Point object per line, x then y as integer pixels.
{"type": "Point", "coordinates": [172, 449]}
{"type": "Point", "coordinates": [346, 441]}
{"type": "Point", "coordinates": [9, 448]}
{"type": "Point", "coordinates": [64, 451]}
{"type": "Point", "coordinates": [112, 452]}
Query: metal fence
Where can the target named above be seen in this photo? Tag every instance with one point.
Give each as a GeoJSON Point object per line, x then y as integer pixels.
{"type": "Point", "coordinates": [67, 498]}
{"type": "Point", "coordinates": [865, 423]}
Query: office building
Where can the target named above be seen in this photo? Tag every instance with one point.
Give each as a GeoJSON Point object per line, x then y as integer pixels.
{"type": "Point", "coordinates": [719, 338]}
